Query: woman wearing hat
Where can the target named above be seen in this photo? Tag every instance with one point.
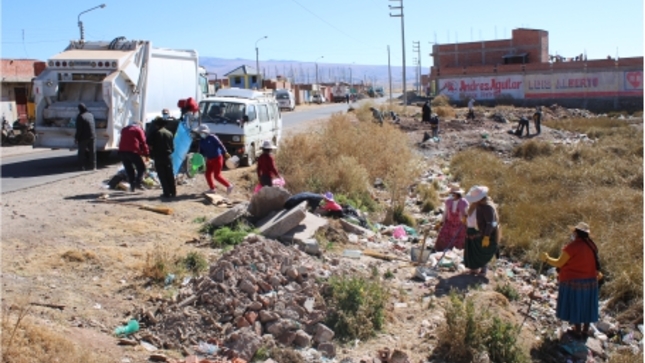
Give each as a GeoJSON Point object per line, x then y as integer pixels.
{"type": "Point", "coordinates": [452, 231]}
{"type": "Point", "coordinates": [330, 208]}
{"type": "Point", "coordinates": [482, 233]}
{"type": "Point", "coordinates": [578, 280]}
{"type": "Point", "coordinates": [266, 165]}
{"type": "Point", "coordinates": [214, 151]}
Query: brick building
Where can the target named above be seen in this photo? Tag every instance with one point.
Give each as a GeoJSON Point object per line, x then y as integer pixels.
{"type": "Point", "coordinates": [15, 83]}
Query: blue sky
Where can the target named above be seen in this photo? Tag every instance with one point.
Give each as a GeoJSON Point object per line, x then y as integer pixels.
{"type": "Point", "coordinates": [343, 31]}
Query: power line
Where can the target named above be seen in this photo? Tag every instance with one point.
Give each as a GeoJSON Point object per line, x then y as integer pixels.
{"type": "Point", "coordinates": [326, 22]}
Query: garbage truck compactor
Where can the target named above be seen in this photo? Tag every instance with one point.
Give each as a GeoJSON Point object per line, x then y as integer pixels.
{"type": "Point", "coordinates": [119, 82]}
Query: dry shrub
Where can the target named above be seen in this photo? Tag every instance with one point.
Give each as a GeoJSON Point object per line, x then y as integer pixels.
{"type": "Point", "coordinates": [285, 355]}
{"type": "Point", "coordinates": [440, 101]}
{"type": "Point", "coordinates": [445, 111]}
{"type": "Point", "coordinates": [588, 182]}
{"type": "Point", "coordinates": [346, 157]}
{"type": "Point", "coordinates": [26, 341]}
{"type": "Point", "coordinates": [429, 197]}
{"type": "Point", "coordinates": [625, 357]}
{"type": "Point", "coordinates": [79, 256]}
{"type": "Point", "coordinates": [159, 263]}
{"type": "Point", "coordinates": [531, 149]}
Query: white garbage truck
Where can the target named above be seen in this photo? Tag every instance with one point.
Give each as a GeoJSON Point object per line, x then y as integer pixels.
{"type": "Point", "coordinates": [119, 82]}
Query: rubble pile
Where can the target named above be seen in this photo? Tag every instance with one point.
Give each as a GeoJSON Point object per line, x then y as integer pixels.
{"type": "Point", "coordinates": [259, 293]}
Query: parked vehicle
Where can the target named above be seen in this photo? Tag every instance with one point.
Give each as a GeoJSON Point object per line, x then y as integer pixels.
{"type": "Point", "coordinates": [18, 133]}
{"type": "Point", "coordinates": [339, 93]}
{"type": "Point", "coordinates": [119, 82]}
{"type": "Point", "coordinates": [243, 119]}
{"type": "Point", "coordinates": [317, 98]}
{"type": "Point", "coordinates": [286, 99]}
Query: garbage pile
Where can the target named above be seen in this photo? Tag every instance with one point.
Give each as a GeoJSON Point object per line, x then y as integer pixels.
{"type": "Point", "coordinates": [261, 287]}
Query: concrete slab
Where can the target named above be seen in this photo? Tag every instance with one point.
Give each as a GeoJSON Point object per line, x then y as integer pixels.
{"type": "Point", "coordinates": [305, 230]}
{"type": "Point", "coordinates": [230, 215]}
{"type": "Point", "coordinates": [352, 228]}
{"type": "Point", "coordinates": [274, 226]}
{"type": "Point", "coordinates": [267, 200]}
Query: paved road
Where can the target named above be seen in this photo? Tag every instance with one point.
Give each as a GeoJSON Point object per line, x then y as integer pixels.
{"type": "Point", "coordinates": [38, 168]}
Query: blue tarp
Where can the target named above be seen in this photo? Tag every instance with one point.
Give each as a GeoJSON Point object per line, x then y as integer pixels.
{"type": "Point", "coordinates": [182, 145]}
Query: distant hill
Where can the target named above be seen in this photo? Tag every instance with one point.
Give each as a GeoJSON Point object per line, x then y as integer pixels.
{"type": "Point", "coordinates": [305, 72]}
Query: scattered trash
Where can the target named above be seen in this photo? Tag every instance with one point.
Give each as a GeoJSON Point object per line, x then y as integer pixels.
{"type": "Point", "coordinates": [399, 232]}
{"type": "Point", "coordinates": [417, 256]}
{"type": "Point", "coordinates": [209, 349]}
{"type": "Point", "coordinates": [170, 278]}
{"type": "Point", "coordinates": [352, 253]}
{"type": "Point", "coordinates": [131, 327]}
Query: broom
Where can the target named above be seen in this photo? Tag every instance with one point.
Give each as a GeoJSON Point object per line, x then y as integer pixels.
{"type": "Point", "coordinates": [157, 209]}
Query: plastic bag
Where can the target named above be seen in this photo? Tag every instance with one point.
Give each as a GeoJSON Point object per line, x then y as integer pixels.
{"type": "Point", "coordinates": [278, 182]}
{"type": "Point", "coordinates": [182, 143]}
{"type": "Point", "coordinates": [399, 233]}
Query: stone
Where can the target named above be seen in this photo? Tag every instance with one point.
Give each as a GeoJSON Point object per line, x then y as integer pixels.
{"type": "Point", "coordinates": [278, 327]}
{"type": "Point", "coordinates": [595, 346]}
{"type": "Point", "coordinates": [267, 200]}
{"type": "Point", "coordinates": [251, 317]}
{"type": "Point", "coordinates": [241, 322]}
{"type": "Point", "coordinates": [327, 349]}
{"type": "Point", "coordinates": [399, 357]}
{"type": "Point", "coordinates": [282, 222]}
{"type": "Point", "coordinates": [310, 247]}
{"type": "Point", "coordinates": [257, 328]}
{"type": "Point", "coordinates": [323, 334]}
{"type": "Point", "coordinates": [287, 338]}
{"type": "Point", "coordinates": [245, 343]}
{"type": "Point", "coordinates": [302, 339]}
{"type": "Point", "coordinates": [149, 347]}
{"type": "Point", "coordinates": [305, 230]}
{"type": "Point", "coordinates": [358, 230]}
{"type": "Point", "coordinates": [156, 357]}
{"type": "Point", "coordinates": [230, 215]}
{"type": "Point", "coordinates": [604, 327]}
{"type": "Point", "coordinates": [268, 316]}
{"type": "Point", "coordinates": [292, 273]}
{"type": "Point", "coordinates": [248, 287]}
{"type": "Point", "coordinates": [255, 306]}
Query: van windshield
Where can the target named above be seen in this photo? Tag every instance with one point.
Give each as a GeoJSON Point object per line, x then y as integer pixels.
{"type": "Point", "coordinates": [221, 112]}
{"type": "Point", "coordinates": [282, 96]}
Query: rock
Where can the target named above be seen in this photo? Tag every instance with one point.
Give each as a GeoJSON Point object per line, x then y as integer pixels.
{"type": "Point", "coordinates": [255, 306]}
{"type": "Point", "coordinates": [124, 341]}
{"type": "Point", "coordinates": [281, 223]}
{"type": "Point", "coordinates": [267, 200]}
{"type": "Point", "coordinates": [604, 327]}
{"type": "Point", "coordinates": [305, 230]}
{"type": "Point", "coordinates": [323, 334]}
{"type": "Point", "coordinates": [310, 247]}
{"type": "Point", "coordinates": [352, 228]}
{"type": "Point", "coordinates": [230, 215]}
{"type": "Point", "coordinates": [287, 338]}
{"type": "Point", "coordinates": [268, 316]}
{"type": "Point", "coordinates": [251, 317]}
{"type": "Point", "coordinates": [327, 349]}
{"type": "Point", "coordinates": [245, 342]}
{"type": "Point", "coordinates": [292, 273]}
{"type": "Point", "coordinates": [302, 339]}
{"type": "Point", "coordinates": [149, 347]}
{"type": "Point", "coordinates": [277, 328]}
{"type": "Point", "coordinates": [595, 346]}
{"type": "Point", "coordinates": [158, 358]}
{"type": "Point", "coordinates": [241, 322]}
{"type": "Point", "coordinates": [248, 287]}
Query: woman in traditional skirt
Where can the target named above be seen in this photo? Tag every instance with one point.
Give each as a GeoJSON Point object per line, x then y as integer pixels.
{"type": "Point", "coordinates": [452, 229]}
{"type": "Point", "coordinates": [578, 278]}
{"type": "Point", "coordinates": [482, 233]}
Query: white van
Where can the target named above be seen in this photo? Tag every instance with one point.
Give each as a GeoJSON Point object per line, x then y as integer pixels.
{"type": "Point", "coordinates": [286, 99]}
{"type": "Point", "coordinates": [242, 119]}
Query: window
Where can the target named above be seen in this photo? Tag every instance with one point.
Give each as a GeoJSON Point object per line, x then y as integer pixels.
{"type": "Point", "coordinates": [221, 112]}
{"type": "Point", "coordinates": [264, 113]}
{"type": "Point", "coordinates": [254, 79]}
{"type": "Point", "coordinates": [251, 113]}
{"type": "Point", "coordinates": [238, 80]}
{"type": "Point", "coordinates": [271, 112]}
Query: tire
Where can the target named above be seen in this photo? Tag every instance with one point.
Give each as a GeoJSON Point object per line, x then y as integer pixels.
{"type": "Point", "coordinates": [28, 138]}
{"type": "Point", "coordinates": [250, 157]}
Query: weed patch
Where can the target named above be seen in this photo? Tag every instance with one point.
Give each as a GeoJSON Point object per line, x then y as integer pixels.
{"type": "Point", "coordinates": [195, 262]}
{"type": "Point", "coordinates": [285, 355]}
{"type": "Point", "coordinates": [401, 216]}
{"type": "Point", "coordinates": [508, 290]}
{"type": "Point", "coordinates": [429, 197]}
{"type": "Point", "coordinates": [441, 100]}
{"type": "Point", "coordinates": [598, 183]}
{"type": "Point", "coordinates": [159, 263]}
{"type": "Point", "coordinates": [227, 236]}
{"type": "Point", "coordinates": [356, 307]}
{"type": "Point", "coordinates": [78, 256]}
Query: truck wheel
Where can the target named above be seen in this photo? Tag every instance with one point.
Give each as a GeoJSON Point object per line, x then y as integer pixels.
{"type": "Point", "coordinates": [250, 157]}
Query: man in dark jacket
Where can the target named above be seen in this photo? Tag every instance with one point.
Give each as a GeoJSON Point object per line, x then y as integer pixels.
{"type": "Point", "coordinates": [85, 138]}
{"type": "Point", "coordinates": [161, 147]}
{"type": "Point", "coordinates": [426, 112]}
{"type": "Point", "coordinates": [131, 147]}
{"type": "Point", "coordinates": [537, 118]}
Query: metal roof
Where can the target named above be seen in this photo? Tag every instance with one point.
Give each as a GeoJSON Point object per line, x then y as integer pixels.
{"type": "Point", "coordinates": [241, 71]}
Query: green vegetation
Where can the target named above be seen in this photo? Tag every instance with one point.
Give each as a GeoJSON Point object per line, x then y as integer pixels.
{"type": "Point", "coordinates": [356, 307]}
{"type": "Point", "coordinates": [429, 197]}
{"type": "Point", "coordinates": [508, 290]}
{"type": "Point", "coordinates": [468, 330]}
{"type": "Point", "coordinates": [551, 187]}
{"type": "Point", "coordinates": [401, 216]}
{"type": "Point", "coordinates": [227, 236]}
{"type": "Point", "coordinates": [195, 262]}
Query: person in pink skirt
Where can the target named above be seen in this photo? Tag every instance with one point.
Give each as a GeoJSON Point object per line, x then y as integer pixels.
{"type": "Point", "coordinates": [452, 227]}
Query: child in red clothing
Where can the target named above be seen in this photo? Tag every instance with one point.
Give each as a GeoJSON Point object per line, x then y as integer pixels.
{"type": "Point", "coordinates": [266, 165]}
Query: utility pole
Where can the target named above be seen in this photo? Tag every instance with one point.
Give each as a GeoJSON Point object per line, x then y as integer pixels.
{"type": "Point", "coordinates": [257, 63]}
{"type": "Point", "coordinates": [405, 96]}
{"type": "Point", "coordinates": [416, 47]}
{"type": "Point", "coordinates": [389, 72]}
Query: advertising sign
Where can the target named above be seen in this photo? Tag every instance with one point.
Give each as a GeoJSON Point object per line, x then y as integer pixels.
{"type": "Point", "coordinates": [482, 88]}
{"type": "Point", "coordinates": [581, 84]}
{"type": "Point", "coordinates": [633, 80]}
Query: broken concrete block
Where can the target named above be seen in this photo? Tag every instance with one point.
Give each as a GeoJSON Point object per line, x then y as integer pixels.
{"type": "Point", "coordinates": [352, 228]}
{"type": "Point", "coordinates": [282, 222]}
{"type": "Point", "coordinates": [323, 334]}
{"type": "Point", "coordinates": [267, 200]}
{"type": "Point", "coordinates": [229, 216]}
{"type": "Point", "coordinates": [327, 349]}
{"type": "Point", "coordinates": [310, 247]}
{"type": "Point", "coordinates": [245, 342]}
{"type": "Point", "coordinates": [276, 328]}
{"type": "Point", "coordinates": [302, 339]}
{"type": "Point", "coordinates": [268, 316]}
{"type": "Point", "coordinates": [305, 230]}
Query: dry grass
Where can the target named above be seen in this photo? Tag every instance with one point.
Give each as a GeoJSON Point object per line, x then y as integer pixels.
{"type": "Point", "coordinates": [79, 256]}
{"type": "Point", "coordinates": [25, 341]}
{"type": "Point", "coordinates": [346, 157]}
{"type": "Point", "coordinates": [625, 357]}
{"type": "Point", "coordinates": [440, 101]}
{"type": "Point", "coordinates": [159, 263]}
{"type": "Point", "coordinates": [429, 197]}
{"type": "Point", "coordinates": [599, 183]}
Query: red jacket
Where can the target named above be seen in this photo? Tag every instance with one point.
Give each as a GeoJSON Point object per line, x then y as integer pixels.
{"type": "Point", "coordinates": [266, 166]}
{"type": "Point", "coordinates": [133, 140]}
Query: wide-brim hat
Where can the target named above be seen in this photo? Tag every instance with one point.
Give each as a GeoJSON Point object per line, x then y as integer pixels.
{"type": "Point", "coordinates": [476, 193]}
{"type": "Point", "coordinates": [582, 226]}
{"type": "Point", "coordinates": [204, 129]}
{"type": "Point", "coordinates": [455, 189]}
{"type": "Point", "coordinates": [267, 145]}
{"type": "Point", "coordinates": [329, 196]}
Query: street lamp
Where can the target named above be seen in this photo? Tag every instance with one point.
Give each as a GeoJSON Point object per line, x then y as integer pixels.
{"type": "Point", "coordinates": [321, 57]}
{"type": "Point", "coordinates": [257, 58]}
{"type": "Point", "coordinates": [405, 96]}
{"type": "Point", "coordinates": [80, 23]}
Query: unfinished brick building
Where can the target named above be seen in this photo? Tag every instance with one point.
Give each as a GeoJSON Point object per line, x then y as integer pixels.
{"type": "Point", "coordinates": [521, 72]}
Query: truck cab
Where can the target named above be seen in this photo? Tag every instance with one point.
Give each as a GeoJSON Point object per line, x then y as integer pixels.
{"type": "Point", "coordinates": [242, 119]}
